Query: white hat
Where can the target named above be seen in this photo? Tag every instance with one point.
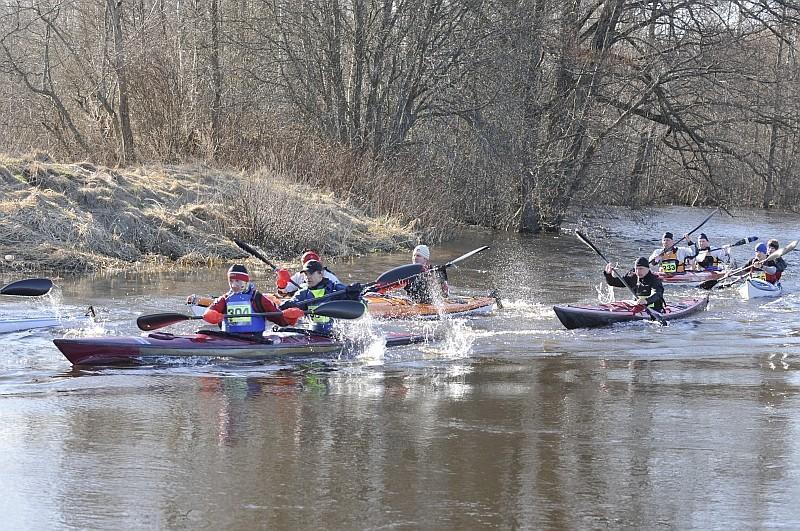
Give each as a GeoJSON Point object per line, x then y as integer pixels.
{"type": "Point", "coordinates": [423, 251]}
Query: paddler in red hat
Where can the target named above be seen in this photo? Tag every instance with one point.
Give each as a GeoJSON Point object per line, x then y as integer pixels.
{"type": "Point", "coordinates": [234, 309]}
{"type": "Point", "coordinates": [287, 284]}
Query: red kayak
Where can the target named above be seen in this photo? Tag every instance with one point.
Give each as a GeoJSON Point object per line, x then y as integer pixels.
{"type": "Point", "coordinates": [690, 277]}
{"type": "Point", "coordinates": [588, 316]}
{"type": "Point", "coordinates": [209, 344]}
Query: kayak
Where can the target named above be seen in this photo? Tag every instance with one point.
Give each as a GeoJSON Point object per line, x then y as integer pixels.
{"type": "Point", "coordinates": [754, 288]}
{"type": "Point", "coordinates": [688, 277]}
{"type": "Point", "coordinates": [156, 347]}
{"type": "Point", "coordinates": [579, 316]}
{"type": "Point", "coordinates": [30, 323]}
{"type": "Point", "coordinates": [400, 307]}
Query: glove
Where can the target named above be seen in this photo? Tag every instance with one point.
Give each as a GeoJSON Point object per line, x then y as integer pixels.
{"type": "Point", "coordinates": [292, 315]}
{"type": "Point", "coordinates": [282, 279]}
{"type": "Point", "coordinates": [212, 316]}
{"type": "Point", "coordinates": [353, 291]}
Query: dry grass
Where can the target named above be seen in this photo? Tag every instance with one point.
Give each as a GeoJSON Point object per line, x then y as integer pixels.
{"type": "Point", "coordinates": [82, 217]}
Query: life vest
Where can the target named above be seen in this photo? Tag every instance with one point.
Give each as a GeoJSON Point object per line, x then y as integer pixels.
{"type": "Point", "coordinates": [669, 262]}
{"type": "Point", "coordinates": [318, 322]}
{"type": "Point", "coordinates": [242, 304]}
{"type": "Point", "coordinates": [709, 263]}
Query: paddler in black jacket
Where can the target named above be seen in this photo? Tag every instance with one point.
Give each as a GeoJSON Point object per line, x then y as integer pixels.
{"type": "Point", "coordinates": [648, 287]}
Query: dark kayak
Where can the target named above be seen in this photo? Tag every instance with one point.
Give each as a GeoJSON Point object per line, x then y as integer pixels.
{"type": "Point", "coordinates": [592, 315]}
{"type": "Point", "coordinates": [159, 347]}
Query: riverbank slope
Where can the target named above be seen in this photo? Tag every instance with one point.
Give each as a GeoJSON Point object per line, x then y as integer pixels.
{"type": "Point", "coordinates": [81, 217]}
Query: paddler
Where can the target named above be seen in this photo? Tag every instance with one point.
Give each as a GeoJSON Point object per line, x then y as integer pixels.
{"type": "Point", "coordinates": [763, 269]}
{"type": "Point", "coordinates": [780, 263]}
{"type": "Point", "coordinates": [712, 260]}
{"type": "Point", "coordinates": [317, 285]}
{"type": "Point", "coordinates": [287, 284]}
{"type": "Point", "coordinates": [243, 299]}
{"type": "Point", "coordinates": [670, 258]}
{"type": "Point", "coordinates": [419, 287]}
{"type": "Point", "coordinates": [647, 286]}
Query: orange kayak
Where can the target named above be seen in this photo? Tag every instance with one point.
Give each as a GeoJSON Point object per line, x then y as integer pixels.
{"type": "Point", "coordinates": [399, 307]}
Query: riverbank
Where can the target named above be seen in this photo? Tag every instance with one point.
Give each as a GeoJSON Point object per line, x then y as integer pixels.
{"type": "Point", "coordinates": [82, 217]}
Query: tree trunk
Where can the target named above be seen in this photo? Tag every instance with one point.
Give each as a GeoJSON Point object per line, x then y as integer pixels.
{"type": "Point", "coordinates": [127, 155]}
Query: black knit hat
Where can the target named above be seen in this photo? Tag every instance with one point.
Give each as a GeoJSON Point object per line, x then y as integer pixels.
{"type": "Point", "coordinates": [668, 234]}
{"type": "Point", "coordinates": [702, 236]}
{"type": "Point", "coordinates": [642, 262]}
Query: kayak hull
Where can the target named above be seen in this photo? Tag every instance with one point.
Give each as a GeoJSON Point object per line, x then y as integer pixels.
{"type": "Point", "coordinates": [394, 307]}
{"type": "Point", "coordinates": [754, 288]}
{"type": "Point", "coordinates": [690, 277]}
{"type": "Point", "coordinates": [590, 316]}
{"type": "Point", "coordinates": [157, 347]}
{"type": "Point", "coordinates": [19, 325]}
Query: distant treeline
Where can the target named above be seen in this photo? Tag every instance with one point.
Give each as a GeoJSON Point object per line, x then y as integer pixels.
{"type": "Point", "coordinates": [502, 113]}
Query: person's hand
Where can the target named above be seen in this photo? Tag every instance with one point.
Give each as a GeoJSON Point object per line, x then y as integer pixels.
{"type": "Point", "coordinates": [282, 278]}
{"type": "Point", "coordinates": [292, 315]}
{"type": "Point", "coordinates": [353, 291]}
{"type": "Point", "coordinates": [608, 269]}
{"type": "Point", "coordinates": [212, 316]}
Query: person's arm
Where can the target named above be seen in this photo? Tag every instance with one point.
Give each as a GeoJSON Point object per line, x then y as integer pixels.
{"type": "Point", "coordinates": [268, 306]}
{"type": "Point", "coordinates": [611, 280]}
{"type": "Point", "coordinates": [655, 258]}
{"type": "Point", "coordinates": [215, 313]}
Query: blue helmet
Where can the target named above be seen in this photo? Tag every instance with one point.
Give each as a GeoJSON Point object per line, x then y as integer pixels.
{"type": "Point", "coordinates": [761, 248]}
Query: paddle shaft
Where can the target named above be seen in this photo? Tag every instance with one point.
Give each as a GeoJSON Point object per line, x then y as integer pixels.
{"type": "Point", "coordinates": [653, 314]}
{"type": "Point", "coordinates": [250, 249]}
{"type": "Point", "coordinates": [737, 243]}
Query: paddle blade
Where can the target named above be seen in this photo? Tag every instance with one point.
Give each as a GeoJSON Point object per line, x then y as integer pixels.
{"type": "Point", "coordinates": [160, 320]}
{"type": "Point", "coordinates": [708, 284]}
{"type": "Point", "coordinates": [30, 287]}
{"type": "Point", "coordinates": [399, 273]}
{"type": "Point", "coordinates": [340, 309]}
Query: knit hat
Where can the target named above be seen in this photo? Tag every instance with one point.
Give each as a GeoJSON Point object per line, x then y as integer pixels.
{"type": "Point", "coordinates": [309, 255]}
{"type": "Point", "coordinates": [703, 236]}
{"type": "Point", "coordinates": [423, 251]}
{"type": "Point", "coordinates": [312, 266]}
{"type": "Point", "coordinates": [642, 262]}
{"type": "Point", "coordinates": [668, 234]}
{"type": "Point", "coordinates": [761, 248]}
{"type": "Point", "coordinates": [238, 272]}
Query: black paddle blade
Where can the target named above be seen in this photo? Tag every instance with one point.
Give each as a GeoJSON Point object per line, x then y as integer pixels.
{"type": "Point", "coordinates": [30, 287]}
{"type": "Point", "coordinates": [340, 309]}
{"type": "Point", "coordinates": [160, 320]}
{"type": "Point", "coordinates": [708, 284]}
{"type": "Point", "coordinates": [399, 273]}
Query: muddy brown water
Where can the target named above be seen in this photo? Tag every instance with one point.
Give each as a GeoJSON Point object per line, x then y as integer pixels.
{"type": "Point", "coordinates": [510, 422]}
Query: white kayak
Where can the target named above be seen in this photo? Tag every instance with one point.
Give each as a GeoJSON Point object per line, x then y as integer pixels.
{"type": "Point", "coordinates": [52, 321]}
{"type": "Point", "coordinates": [754, 288]}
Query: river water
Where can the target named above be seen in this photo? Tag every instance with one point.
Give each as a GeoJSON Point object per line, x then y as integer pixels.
{"type": "Point", "coordinates": [510, 422]}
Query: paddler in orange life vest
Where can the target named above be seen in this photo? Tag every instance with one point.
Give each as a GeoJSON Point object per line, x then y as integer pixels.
{"type": "Point", "coordinates": [286, 284]}
{"type": "Point", "coordinates": [316, 285]}
{"type": "Point", "coordinates": [244, 300]}
{"type": "Point", "coordinates": [648, 287]}
{"type": "Point", "coordinates": [762, 269]}
{"type": "Point", "coordinates": [671, 259]}
{"type": "Point", "coordinates": [712, 260]}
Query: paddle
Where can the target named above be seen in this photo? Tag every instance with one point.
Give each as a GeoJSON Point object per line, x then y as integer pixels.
{"type": "Point", "coordinates": [333, 309]}
{"type": "Point", "coordinates": [384, 281]}
{"type": "Point", "coordinates": [702, 254]}
{"type": "Point", "coordinates": [460, 258]}
{"type": "Point", "coordinates": [688, 233]}
{"type": "Point", "coordinates": [708, 284]}
{"type": "Point", "coordinates": [249, 249]}
{"type": "Point", "coordinates": [652, 313]}
{"type": "Point", "coordinates": [30, 287]}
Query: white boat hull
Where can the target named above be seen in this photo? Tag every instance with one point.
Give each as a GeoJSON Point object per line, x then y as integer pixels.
{"type": "Point", "coordinates": [754, 288]}
{"type": "Point", "coordinates": [18, 325]}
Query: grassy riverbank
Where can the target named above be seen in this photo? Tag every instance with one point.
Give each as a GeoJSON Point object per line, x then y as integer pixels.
{"type": "Point", "coordinates": [80, 217]}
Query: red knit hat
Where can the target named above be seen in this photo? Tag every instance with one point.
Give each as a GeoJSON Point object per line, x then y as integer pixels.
{"type": "Point", "coordinates": [238, 272]}
{"type": "Point", "coordinates": [309, 255]}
